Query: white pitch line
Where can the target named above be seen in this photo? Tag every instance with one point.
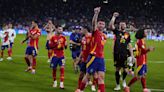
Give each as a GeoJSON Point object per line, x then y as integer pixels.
{"type": "Point", "coordinates": [157, 90]}
{"type": "Point", "coordinates": [150, 61]}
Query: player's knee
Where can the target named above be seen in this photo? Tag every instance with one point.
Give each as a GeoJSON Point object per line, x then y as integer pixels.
{"type": "Point", "coordinates": [117, 73]}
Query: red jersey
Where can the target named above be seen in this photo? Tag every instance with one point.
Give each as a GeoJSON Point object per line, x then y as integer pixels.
{"type": "Point", "coordinates": [34, 42]}
{"type": "Point", "coordinates": [58, 43]}
{"type": "Point", "coordinates": [86, 46]}
{"type": "Point", "coordinates": [97, 44]}
{"type": "Point", "coordinates": [141, 54]}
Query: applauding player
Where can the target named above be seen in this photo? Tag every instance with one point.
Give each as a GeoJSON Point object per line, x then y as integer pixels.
{"type": "Point", "coordinates": [58, 43]}
{"type": "Point", "coordinates": [50, 28]}
{"type": "Point", "coordinates": [32, 48]}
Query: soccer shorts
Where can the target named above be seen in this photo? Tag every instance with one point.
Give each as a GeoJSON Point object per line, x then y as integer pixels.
{"type": "Point", "coordinates": [55, 61]}
{"type": "Point", "coordinates": [120, 60]}
{"type": "Point", "coordinates": [11, 44]}
{"type": "Point", "coordinates": [83, 66]}
{"type": "Point", "coordinates": [47, 45]}
{"type": "Point", "coordinates": [31, 51]}
{"type": "Point", "coordinates": [3, 47]}
{"type": "Point", "coordinates": [141, 70]}
{"type": "Point", "coordinates": [95, 64]}
{"type": "Point", "coordinates": [75, 54]}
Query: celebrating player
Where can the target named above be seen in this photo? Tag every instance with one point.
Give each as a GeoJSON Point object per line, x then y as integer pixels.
{"type": "Point", "coordinates": [95, 61]}
{"type": "Point", "coordinates": [32, 48]}
{"type": "Point", "coordinates": [141, 57]}
{"type": "Point", "coordinates": [122, 42]}
{"type": "Point", "coordinates": [84, 53]}
{"type": "Point", "coordinates": [58, 43]}
{"type": "Point", "coordinates": [5, 42]}
{"type": "Point", "coordinates": [75, 46]}
{"type": "Point", "coordinates": [50, 28]}
{"type": "Point", "coordinates": [12, 36]}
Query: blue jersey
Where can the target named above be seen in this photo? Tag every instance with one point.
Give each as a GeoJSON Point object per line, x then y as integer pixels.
{"type": "Point", "coordinates": [76, 37]}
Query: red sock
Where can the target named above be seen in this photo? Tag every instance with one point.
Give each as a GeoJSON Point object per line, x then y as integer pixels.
{"type": "Point", "coordinates": [143, 82]}
{"type": "Point", "coordinates": [27, 61]}
{"type": "Point", "coordinates": [34, 63]}
{"type": "Point", "coordinates": [95, 81]}
{"type": "Point", "coordinates": [80, 80]}
{"type": "Point", "coordinates": [61, 74]}
{"type": "Point", "coordinates": [1, 54]}
{"type": "Point", "coordinates": [9, 52]}
{"type": "Point", "coordinates": [54, 74]}
{"type": "Point", "coordinates": [132, 81]}
{"type": "Point", "coordinates": [82, 86]}
{"type": "Point", "coordinates": [101, 87]}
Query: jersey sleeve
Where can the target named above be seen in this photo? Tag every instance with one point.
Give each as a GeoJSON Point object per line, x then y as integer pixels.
{"type": "Point", "coordinates": [71, 37]}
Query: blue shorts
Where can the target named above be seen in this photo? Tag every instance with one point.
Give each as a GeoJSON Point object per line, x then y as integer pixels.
{"type": "Point", "coordinates": [31, 51]}
{"type": "Point", "coordinates": [142, 70]}
{"type": "Point", "coordinates": [55, 61]}
{"type": "Point", "coordinates": [11, 44]}
{"type": "Point", "coordinates": [95, 64]}
{"type": "Point", "coordinates": [83, 66]}
{"type": "Point", "coordinates": [3, 47]}
{"type": "Point", "coordinates": [47, 45]}
{"type": "Point", "coordinates": [75, 54]}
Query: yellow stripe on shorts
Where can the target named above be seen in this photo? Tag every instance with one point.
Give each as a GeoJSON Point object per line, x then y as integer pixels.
{"type": "Point", "coordinates": [90, 62]}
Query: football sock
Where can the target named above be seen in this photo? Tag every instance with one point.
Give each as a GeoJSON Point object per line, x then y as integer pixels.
{"type": "Point", "coordinates": [143, 82]}
{"type": "Point", "coordinates": [132, 81]}
{"type": "Point", "coordinates": [117, 75]}
{"type": "Point", "coordinates": [61, 74]}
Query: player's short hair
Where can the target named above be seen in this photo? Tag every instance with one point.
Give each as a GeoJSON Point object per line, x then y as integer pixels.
{"type": "Point", "coordinates": [140, 34]}
{"type": "Point", "coordinates": [87, 27]}
{"type": "Point", "coordinates": [101, 20]}
{"type": "Point", "coordinates": [35, 21]}
{"type": "Point", "coordinates": [57, 26]}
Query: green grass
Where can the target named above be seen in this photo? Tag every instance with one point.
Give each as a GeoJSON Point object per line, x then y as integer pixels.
{"type": "Point", "coordinates": [14, 79]}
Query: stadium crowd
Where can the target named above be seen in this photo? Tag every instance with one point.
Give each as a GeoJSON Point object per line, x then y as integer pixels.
{"type": "Point", "coordinates": [143, 13]}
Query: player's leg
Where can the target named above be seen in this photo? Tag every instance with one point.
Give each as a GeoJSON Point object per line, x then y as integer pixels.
{"type": "Point", "coordinates": [101, 84]}
{"type": "Point", "coordinates": [143, 78]}
{"type": "Point", "coordinates": [53, 65]}
{"type": "Point", "coordinates": [2, 52]}
{"type": "Point", "coordinates": [117, 65]}
{"type": "Point", "coordinates": [82, 74]}
{"type": "Point", "coordinates": [123, 59]}
{"type": "Point", "coordinates": [27, 59]}
{"type": "Point", "coordinates": [95, 81]}
{"type": "Point", "coordinates": [74, 54]}
{"type": "Point", "coordinates": [101, 74]}
{"type": "Point", "coordinates": [49, 50]}
{"type": "Point", "coordinates": [9, 53]}
{"type": "Point", "coordinates": [33, 56]}
{"type": "Point", "coordinates": [90, 69]}
{"type": "Point", "coordinates": [117, 77]}
{"type": "Point", "coordinates": [62, 64]}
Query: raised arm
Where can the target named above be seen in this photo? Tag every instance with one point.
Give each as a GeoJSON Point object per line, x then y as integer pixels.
{"type": "Point", "coordinates": [94, 19]}
{"type": "Point", "coordinates": [111, 23]}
